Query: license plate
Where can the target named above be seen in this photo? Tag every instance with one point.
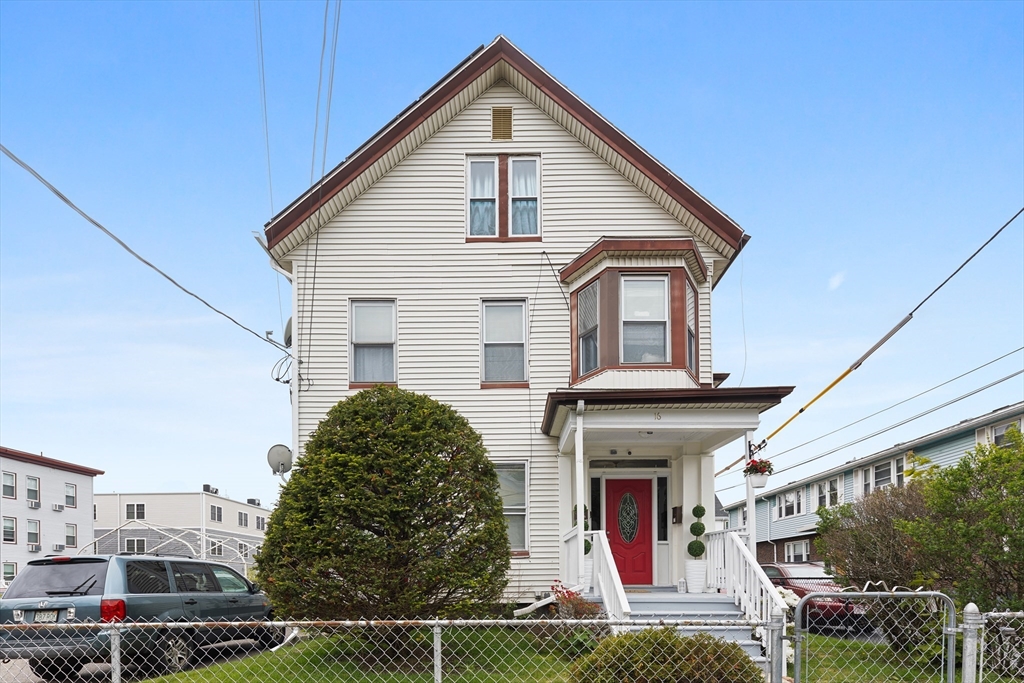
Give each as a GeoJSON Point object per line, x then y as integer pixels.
{"type": "Point", "coordinates": [45, 616]}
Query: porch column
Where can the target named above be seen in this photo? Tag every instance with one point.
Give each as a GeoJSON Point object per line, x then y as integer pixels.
{"type": "Point", "coordinates": [751, 502]}
{"type": "Point", "coordinates": [580, 506]}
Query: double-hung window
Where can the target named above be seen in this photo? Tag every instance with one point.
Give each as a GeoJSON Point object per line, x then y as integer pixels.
{"type": "Point", "coordinates": [32, 488]}
{"type": "Point", "coordinates": [828, 493]}
{"type": "Point", "coordinates": [512, 486]}
{"type": "Point", "coordinates": [587, 324]}
{"type": "Point", "coordinates": [504, 341]}
{"type": "Point", "coordinates": [243, 519]}
{"type": "Point", "coordinates": [798, 551]}
{"type": "Point", "coordinates": [71, 535]}
{"type": "Point", "coordinates": [10, 485]}
{"type": "Point", "coordinates": [135, 545]}
{"type": "Point", "coordinates": [216, 513]}
{"type": "Point", "coordinates": [790, 503]}
{"type": "Point", "coordinates": [691, 327]}
{"type": "Point", "coordinates": [645, 319]}
{"type": "Point", "coordinates": [32, 531]}
{"type": "Point", "coordinates": [10, 570]}
{"type": "Point", "coordinates": [216, 548]}
{"type": "Point", "coordinates": [373, 341]}
{"type": "Point", "coordinates": [524, 196]}
{"type": "Point", "coordinates": [135, 511]}
{"type": "Point", "coordinates": [483, 197]}
{"type": "Point", "coordinates": [261, 523]}
{"type": "Point", "coordinates": [70, 495]}
{"type": "Point", "coordinates": [10, 530]}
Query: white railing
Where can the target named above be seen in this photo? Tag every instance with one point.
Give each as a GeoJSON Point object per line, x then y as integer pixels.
{"type": "Point", "coordinates": [734, 569]}
{"type": "Point", "coordinates": [606, 581]}
{"type": "Point", "coordinates": [570, 545]}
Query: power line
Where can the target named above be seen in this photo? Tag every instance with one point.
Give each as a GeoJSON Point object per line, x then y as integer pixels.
{"type": "Point", "coordinates": [894, 405]}
{"type": "Point", "coordinates": [131, 251]}
{"type": "Point", "coordinates": [860, 361]}
{"type": "Point", "coordinates": [887, 429]}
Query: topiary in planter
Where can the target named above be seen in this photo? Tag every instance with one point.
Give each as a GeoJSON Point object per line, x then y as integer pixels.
{"type": "Point", "coordinates": [696, 547]}
{"type": "Point", "coordinates": [662, 656]}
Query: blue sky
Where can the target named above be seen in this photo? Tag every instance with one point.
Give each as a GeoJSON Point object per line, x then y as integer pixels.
{"type": "Point", "coordinates": [868, 148]}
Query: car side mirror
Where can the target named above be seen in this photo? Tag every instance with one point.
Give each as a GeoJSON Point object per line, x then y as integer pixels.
{"type": "Point", "coordinates": [254, 588]}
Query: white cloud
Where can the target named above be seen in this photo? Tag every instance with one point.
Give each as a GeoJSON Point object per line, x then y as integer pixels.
{"type": "Point", "coordinates": [836, 280]}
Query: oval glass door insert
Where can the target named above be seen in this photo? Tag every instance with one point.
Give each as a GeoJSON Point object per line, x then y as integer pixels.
{"type": "Point", "coordinates": [629, 517]}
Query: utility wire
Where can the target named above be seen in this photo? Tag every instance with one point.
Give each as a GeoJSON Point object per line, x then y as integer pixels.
{"type": "Point", "coordinates": [131, 251]}
{"type": "Point", "coordinates": [887, 429]}
{"type": "Point", "coordinates": [894, 405]}
{"type": "Point", "coordinates": [860, 361]}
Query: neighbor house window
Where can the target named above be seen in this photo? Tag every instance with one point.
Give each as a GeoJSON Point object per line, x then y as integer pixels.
{"type": "Point", "coordinates": [524, 196]}
{"type": "Point", "coordinates": [10, 571]}
{"type": "Point", "coordinates": [10, 530]}
{"type": "Point", "coordinates": [135, 545]}
{"type": "Point", "coordinates": [243, 519]}
{"type": "Point", "coordinates": [135, 511]}
{"type": "Point", "coordinates": [790, 503]}
{"type": "Point", "coordinates": [71, 535]}
{"type": "Point", "coordinates": [216, 548]}
{"type": "Point", "coordinates": [243, 549]}
{"type": "Point", "coordinates": [32, 488]}
{"type": "Point", "coordinates": [70, 495]}
{"type": "Point", "coordinates": [645, 319]}
{"type": "Point", "coordinates": [586, 323]}
{"type": "Point", "coordinates": [691, 327]}
{"type": "Point", "coordinates": [798, 551]}
{"type": "Point", "coordinates": [880, 475]}
{"type": "Point", "coordinates": [216, 513]}
{"type": "Point", "coordinates": [261, 523]}
{"type": "Point", "coordinates": [483, 197]}
{"type": "Point", "coordinates": [504, 341]}
{"type": "Point", "coordinates": [10, 485]}
{"type": "Point", "coordinates": [512, 486]}
{"type": "Point", "coordinates": [999, 432]}
{"type": "Point", "coordinates": [32, 531]}
{"type": "Point", "coordinates": [828, 493]}
{"type": "Point", "coordinates": [373, 341]}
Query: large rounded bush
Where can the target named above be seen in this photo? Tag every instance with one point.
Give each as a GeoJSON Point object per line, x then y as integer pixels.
{"type": "Point", "coordinates": [393, 511]}
{"type": "Point", "coordinates": [662, 656]}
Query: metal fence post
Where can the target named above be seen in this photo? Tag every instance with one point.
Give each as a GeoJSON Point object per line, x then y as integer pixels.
{"type": "Point", "coordinates": [115, 653]}
{"type": "Point", "coordinates": [437, 653]}
{"type": "Point", "coordinates": [776, 629]}
{"type": "Point", "coordinates": [972, 628]}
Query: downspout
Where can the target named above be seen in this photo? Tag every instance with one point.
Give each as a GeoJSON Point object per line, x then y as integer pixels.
{"type": "Point", "coordinates": [580, 539]}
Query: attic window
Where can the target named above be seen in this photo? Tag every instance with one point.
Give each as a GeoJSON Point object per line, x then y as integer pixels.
{"type": "Point", "coordinates": [501, 123]}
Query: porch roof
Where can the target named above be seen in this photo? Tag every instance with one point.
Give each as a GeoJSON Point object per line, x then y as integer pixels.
{"type": "Point", "coordinates": [560, 403]}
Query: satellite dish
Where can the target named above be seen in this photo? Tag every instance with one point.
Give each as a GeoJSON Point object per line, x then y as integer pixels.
{"type": "Point", "coordinates": [288, 334]}
{"type": "Point", "coordinates": [279, 457]}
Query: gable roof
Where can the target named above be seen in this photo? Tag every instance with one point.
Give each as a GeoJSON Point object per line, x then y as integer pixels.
{"type": "Point", "coordinates": [22, 456]}
{"type": "Point", "coordinates": [501, 60]}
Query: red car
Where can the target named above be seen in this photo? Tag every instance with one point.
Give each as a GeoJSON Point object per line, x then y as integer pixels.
{"type": "Point", "coordinates": [834, 615]}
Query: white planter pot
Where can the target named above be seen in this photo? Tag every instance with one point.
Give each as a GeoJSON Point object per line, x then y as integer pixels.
{"type": "Point", "coordinates": [696, 575]}
{"type": "Point", "coordinates": [758, 481]}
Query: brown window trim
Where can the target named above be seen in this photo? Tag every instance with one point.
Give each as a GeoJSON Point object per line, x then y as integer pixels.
{"type": "Point", "coordinates": [504, 205]}
{"type": "Point", "coordinates": [504, 385]}
{"type": "Point", "coordinates": [370, 385]}
{"type": "Point", "coordinates": [520, 553]}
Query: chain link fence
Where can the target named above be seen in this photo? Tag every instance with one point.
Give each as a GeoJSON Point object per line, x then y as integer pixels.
{"type": "Point", "coordinates": [468, 651]}
{"type": "Point", "coordinates": [1002, 647]}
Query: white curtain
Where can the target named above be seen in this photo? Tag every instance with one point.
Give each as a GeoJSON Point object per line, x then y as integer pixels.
{"type": "Point", "coordinates": [482, 196]}
{"type": "Point", "coordinates": [524, 197]}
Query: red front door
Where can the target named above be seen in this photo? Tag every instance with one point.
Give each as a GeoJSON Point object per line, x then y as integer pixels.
{"type": "Point", "coordinates": [628, 524]}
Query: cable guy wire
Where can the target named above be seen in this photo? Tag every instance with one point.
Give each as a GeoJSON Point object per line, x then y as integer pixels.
{"type": "Point", "coordinates": [131, 251]}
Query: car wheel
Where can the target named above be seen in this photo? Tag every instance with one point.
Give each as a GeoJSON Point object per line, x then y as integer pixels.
{"type": "Point", "coordinates": [270, 636]}
{"type": "Point", "coordinates": [55, 669]}
{"type": "Point", "coordinates": [175, 653]}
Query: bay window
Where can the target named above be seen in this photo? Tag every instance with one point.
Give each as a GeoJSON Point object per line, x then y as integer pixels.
{"type": "Point", "coordinates": [587, 322]}
{"type": "Point", "coordinates": [644, 319]}
{"type": "Point", "coordinates": [373, 342]}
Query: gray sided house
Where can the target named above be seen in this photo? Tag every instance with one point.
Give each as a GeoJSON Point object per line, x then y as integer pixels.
{"type": "Point", "coordinates": [199, 524]}
{"type": "Point", "coordinates": [787, 521]}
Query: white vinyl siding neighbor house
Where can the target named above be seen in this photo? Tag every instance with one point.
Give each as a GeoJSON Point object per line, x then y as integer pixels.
{"type": "Point", "coordinates": [485, 242]}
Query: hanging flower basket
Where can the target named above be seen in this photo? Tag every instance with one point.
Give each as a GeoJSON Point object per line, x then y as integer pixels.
{"type": "Point", "coordinates": [757, 471]}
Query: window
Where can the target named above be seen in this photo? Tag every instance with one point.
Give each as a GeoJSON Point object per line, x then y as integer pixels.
{"type": "Point", "coordinates": [261, 523]}
{"type": "Point", "coordinates": [483, 197]}
{"type": "Point", "coordinates": [512, 486]}
{"type": "Point", "coordinates": [229, 581]}
{"type": "Point", "coordinates": [216, 548]}
{"type": "Point", "coordinates": [504, 334]}
{"type": "Point", "coordinates": [135, 545]}
{"type": "Point", "coordinates": [243, 550]}
{"type": "Point", "coordinates": [216, 513]}
{"type": "Point", "coordinates": [243, 519]}
{"type": "Point", "coordinates": [10, 571]}
{"type": "Point", "coordinates": [662, 508]}
{"type": "Point", "coordinates": [644, 319]}
{"type": "Point", "coordinates": [998, 433]}
{"type": "Point", "coordinates": [691, 327]}
{"type": "Point", "coordinates": [503, 197]}
{"type": "Point", "coordinates": [32, 531]}
{"type": "Point", "coordinates": [897, 467]}
{"type": "Point", "coordinates": [10, 530]}
{"type": "Point", "coordinates": [70, 495]}
{"type": "Point", "coordinates": [193, 578]}
{"type": "Point", "coordinates": [10, 485]}
{"type": "Point", "coordinates": [71, 535]}
{"type": "Point", "coordinates": [373, 341]}
{"type": "Point", "coordinates": [798, 551]}
{"type": "Point", "coordinates": [147, 577]}
{"type": "Point", "coordinates": [789, 504]}
{"type": "Point", "coordinates": [586, 323]}
{"type": "Point", "coordinates": [880, 475]}
{"type": "Point", "coordinates": [32, 488]}
{"type": "Point", "coordinates": [135, 511]}
{"type": "Point", "coordinates": [828, 493]}
{"type": "Point", "coordinates": [524, 196]}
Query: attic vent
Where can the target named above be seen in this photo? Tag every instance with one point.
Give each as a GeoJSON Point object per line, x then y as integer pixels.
{"type": "Point", "coordinates": [501, 123]}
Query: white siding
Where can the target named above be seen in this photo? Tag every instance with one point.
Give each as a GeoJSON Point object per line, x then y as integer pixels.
{"type": "Point", "coordinates": [404, 238]}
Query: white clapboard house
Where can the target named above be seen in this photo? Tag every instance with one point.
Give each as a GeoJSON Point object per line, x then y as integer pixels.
{"type": "Point", "coordinates": [504, 249]}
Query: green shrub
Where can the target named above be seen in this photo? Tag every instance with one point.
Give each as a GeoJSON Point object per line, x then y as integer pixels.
{"type": "Point", "coordinates": [662, 656]}
{"type": "Point", "coordinates": [695, 548]}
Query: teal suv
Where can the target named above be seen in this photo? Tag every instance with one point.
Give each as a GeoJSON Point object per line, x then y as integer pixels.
{"type": "Point", "coordinates": [105, 589]}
